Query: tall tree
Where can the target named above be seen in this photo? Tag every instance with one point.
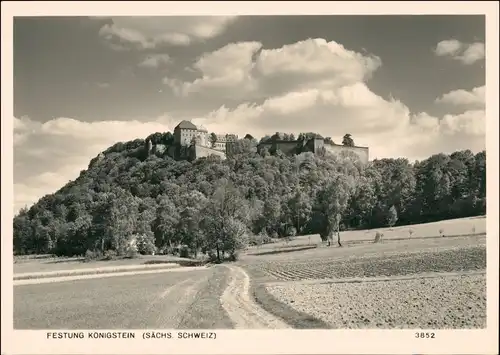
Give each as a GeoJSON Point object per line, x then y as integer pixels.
{"type": "Point", "coordinates": [347, 140]}
{"type": "Point", "coordinates": [213, 139]}
{"type": "Point", "coordinates": [166, 219]}
{"type": "Point", "coordinates": [115, 220]}
{"type": "Point", "coordinates": [331, 204]}
{"type": "Point", "coordinates": [224, 220]}
{"type": "Point", "coordinates": [300, 210]}
{"type": "Point", "coordinates": [392, 217]}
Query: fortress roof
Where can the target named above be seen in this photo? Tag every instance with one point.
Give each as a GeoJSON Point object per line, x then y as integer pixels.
{"type": "Point", "coordinates": [186, 125]}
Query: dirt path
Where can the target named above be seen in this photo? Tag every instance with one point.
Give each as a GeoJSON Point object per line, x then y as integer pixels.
{"type": "Point", "coordinates": [177, 299]}
{"type": "Point", "coordinates": [195, 297]}
{"type": "Point", "coordinates": [241, 308]}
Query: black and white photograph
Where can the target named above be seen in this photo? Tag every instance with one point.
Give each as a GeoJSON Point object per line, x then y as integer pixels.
{"type": "Point", "coordinates": [249, 172]}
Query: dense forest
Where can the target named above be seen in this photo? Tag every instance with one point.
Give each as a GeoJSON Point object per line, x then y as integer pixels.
{"type": "Point", "coordinates": [128, 196]}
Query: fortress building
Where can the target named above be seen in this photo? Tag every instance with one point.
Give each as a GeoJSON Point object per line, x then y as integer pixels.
{"type": "Point", "coordinates": [197, 142]}
{"type": "Point", "coordinates": [186, 134]}
{"type": "Point", "coordinates": [313, 145]}
{"type": "Point", "coordinates": [223, 140]}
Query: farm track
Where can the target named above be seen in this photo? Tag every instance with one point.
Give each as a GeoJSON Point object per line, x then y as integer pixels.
{"type": "Point", "coordinates": [241, 308]}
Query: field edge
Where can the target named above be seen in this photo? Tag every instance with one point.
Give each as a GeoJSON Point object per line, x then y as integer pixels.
{"type": "Point", "coordinates": [294, 318]}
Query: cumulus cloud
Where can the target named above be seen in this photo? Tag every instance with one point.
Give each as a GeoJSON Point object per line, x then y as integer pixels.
{"type": "Point", "coordinates": [243, 70]}
{"type": "Point", "coordinates": [48, 155]}
{"type": "Point", "coordinates": [475, 97]}
{"type": "Point", "coordinates": [155, 61]}
{"type": "Point", "coordinates": [225, 69]}
{"type": "Point", "coordinates": [147, 32]}
{"type": "Point", "coordinates": [448, 47]}
{"type": "Point", "coordinates": [386, 126]}
{"type": "Point", "coordinates": [473, 53]}
{"type": "Point", "coordinates": [467, 53]}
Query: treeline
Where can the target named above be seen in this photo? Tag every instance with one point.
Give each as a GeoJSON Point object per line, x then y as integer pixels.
{"type": "Point", "coordinates": [128, 199]}
{"type": "Point", "coordinates": [280, 136]}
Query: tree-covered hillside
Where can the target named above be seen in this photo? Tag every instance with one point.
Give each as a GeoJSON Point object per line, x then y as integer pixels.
{"type": "Point", "coordinates": [217, 206]}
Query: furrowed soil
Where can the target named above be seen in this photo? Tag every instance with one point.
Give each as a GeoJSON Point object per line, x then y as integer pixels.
{"type": "Point", "coordinates": [472, 258]}
{"type": "Point", "coordinates": [426, 283]}
{"type": "Point", "coordinates": [457, 301]}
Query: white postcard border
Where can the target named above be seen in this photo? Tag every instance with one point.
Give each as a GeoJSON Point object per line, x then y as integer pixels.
{"type": "Point", "coordinates": [248, 341]}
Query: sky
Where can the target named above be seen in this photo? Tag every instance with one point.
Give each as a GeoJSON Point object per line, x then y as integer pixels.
{"type": "Point", "coordinates": [405, 86]}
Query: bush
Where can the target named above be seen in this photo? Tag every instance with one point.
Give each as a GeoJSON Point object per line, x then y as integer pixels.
{"type": "Point", "coordinates": [91, 255]}
{"type": "Point", "coordinates": [145, 244]}
{"type": "Point", "coordinates": [212, 256]}
{"type": "Point", "coordinates": [266, 239]}
{"type": "Point", "coordinates": [131, 254]}
{"type": "Point", "coordinates": [110, 254]}
{"type": "Point", "coordinates": [255, 240]}
{"type": "Point", "coordinates": [168, 250]}
{"type": "Point", "coordinates": [233, 256]}
{"type": "Point", "coordinates": [378, 237]}
{"type": "Point", "coordinates": [184, 251]}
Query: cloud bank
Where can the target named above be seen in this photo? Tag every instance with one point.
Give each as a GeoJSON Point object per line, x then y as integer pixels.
{"type": "Point", "coordinates": [149, 32]}
{"type": "Point", "coordinates": [310, 85]}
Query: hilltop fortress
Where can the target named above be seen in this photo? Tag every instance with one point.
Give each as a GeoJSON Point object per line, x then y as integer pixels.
{"type": "Point", "coordinates": [191, 142]}
{"type": "Point", "coordinates": [200, 142]}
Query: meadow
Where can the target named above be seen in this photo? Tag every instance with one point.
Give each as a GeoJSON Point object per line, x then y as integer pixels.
{"type": "Point", "coordinates": [50, 264]}
{"type": "Point", "coordinates": [447, 228]}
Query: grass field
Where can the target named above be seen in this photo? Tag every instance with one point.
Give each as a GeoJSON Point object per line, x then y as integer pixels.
{"type": "Point", "coordinates": [356, 251]}
{"type": "Point", "coordinates": [452, 227]}
{"type": "Point", "coordinates": [57, 264]}
{"type": "Point", "coordinates": [185, 300]}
